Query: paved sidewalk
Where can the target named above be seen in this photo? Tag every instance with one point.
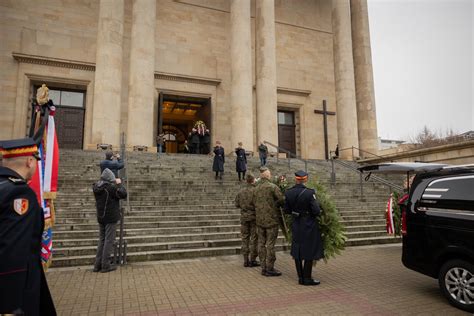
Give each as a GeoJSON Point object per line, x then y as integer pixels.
{"type": "Point", "coordinates": [363, 281]}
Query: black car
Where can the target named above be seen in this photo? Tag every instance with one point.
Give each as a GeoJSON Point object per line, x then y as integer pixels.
{"type": "Point", "coordinates": [438, 226]}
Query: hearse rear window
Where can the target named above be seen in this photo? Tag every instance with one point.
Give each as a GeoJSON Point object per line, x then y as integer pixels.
{"type": "Point", "coordinates": [451, 188]}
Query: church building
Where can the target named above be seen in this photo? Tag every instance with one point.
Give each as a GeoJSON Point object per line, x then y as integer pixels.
{"type": "Point", "coordinates": [294, 73]}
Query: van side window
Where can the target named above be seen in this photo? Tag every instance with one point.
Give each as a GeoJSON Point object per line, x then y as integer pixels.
{"type": "Point", "coordinates": [451, 188]}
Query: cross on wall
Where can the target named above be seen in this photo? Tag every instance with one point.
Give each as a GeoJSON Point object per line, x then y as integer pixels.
{"type": "Point", "coordinates": [325, 114]}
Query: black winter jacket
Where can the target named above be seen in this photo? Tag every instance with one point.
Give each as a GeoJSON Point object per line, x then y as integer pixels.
{"type": "Point", "coordinates": [107, 196]}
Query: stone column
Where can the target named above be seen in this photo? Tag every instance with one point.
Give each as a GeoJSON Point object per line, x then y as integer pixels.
{"type": "Point", "coordinates": [241, 67]}
{"type": "Point", "coordinates": [267, 124]}
{"type": "Point", "coordinates": [346, 111]}
{"type": "Point", "coordinates": [141, 88]}
{"type": "Point", "coordinates": [108, 74]}
{"type": "Point", "coordinates": [364, 80]}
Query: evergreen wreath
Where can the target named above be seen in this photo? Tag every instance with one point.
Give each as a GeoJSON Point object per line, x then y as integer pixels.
{"type": "Point", "coordinates": [332, 230]}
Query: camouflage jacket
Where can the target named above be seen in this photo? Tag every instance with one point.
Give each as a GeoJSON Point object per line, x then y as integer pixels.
{"type": "Point", "coordinates": [244, 201]}
{"type": "Point", "coordinates": [267, 200]}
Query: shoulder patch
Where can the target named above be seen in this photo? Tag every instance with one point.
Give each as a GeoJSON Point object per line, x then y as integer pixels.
{"type": "Point", "coordinates": [20, 206]}
{"type": "Point", "coordinates": [16, 180]}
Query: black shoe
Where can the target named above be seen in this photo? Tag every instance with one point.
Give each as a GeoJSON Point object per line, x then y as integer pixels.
{"type": "Point", "coordinates": [109, 269]}
{"type": "Point", "coordinates": [272, 273]}
{"type": "Point", "coordinates": [311, 282]}
{"type": "Point", "coordinates": [300, 281]}
{"type": "Point", "coordinates": [96, 269]}
{"type": "Point", "coordinates": [264, 272]}
{"type": "Point", "coordinates": [254, 263]}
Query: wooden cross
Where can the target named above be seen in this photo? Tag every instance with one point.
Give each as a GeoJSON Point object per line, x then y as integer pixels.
{"type": "Point", "coordinates": [325, 114]}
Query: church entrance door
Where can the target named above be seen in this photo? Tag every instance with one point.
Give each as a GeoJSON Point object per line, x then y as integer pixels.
{"type": "Point", "coordinates": [69, 116]}
{"type": "Point", "coordinates": [177, 116]}
{"type": "Point", "coordinates": [287, 131]}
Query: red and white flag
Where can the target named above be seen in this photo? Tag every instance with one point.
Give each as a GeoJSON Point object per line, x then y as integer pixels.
{"type": "Point", "coordinates": [45, 183]}
{"type": "Point", "coordinates": [389, 216]}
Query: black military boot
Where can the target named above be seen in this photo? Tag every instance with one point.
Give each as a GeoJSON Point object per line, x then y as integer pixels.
{"type": "Point", "coordinates": [307, 279]}
{"type": "Point", "coordinates": [272, 272]}
{"type": "Point", "coordinates": [299, 270]}
{"type": "Point", "coordinates": [254, 263]}
{"type": "Point", "coordinates": [246, 261]}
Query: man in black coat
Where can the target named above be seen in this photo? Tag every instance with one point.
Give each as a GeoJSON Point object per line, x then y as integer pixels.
{"type": "Point", "coordinates": [23, 286]}
{"type": "Point", "coordinates": [110, 163]}
{"type": "Point", "coordinates": [219, 160]}
{"type": "Point", "coordinates": [108, 191]}
{"type": "Point", "coordinates": [306, 244]}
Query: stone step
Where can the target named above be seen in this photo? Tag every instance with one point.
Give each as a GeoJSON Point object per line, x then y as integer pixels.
{"type": "Point", "coordinates": [149, 224]}
{"type": "Point", "coordinates": [373, 241]}
{"type": "Point", "coordinates": [159, 255]}
{"type": "Point", "coordinates": [154, 246]}
{"type": "Point", "coordinates": [68, 234]}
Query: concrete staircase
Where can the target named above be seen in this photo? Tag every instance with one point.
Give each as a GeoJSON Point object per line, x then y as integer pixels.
{"type": "Point", "coordinates": [178, 210]}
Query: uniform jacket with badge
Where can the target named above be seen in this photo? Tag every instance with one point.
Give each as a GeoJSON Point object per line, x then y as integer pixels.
{"type": "Point", "coordinates": [241, 161]}
{"type": "Point", "coordinates": [23, 286]}
{"type": "Point", "coordinates": [107, 197]}
{"type": "Point", "coordinates": [244, 201]}
{"type": "Point", "coordinates": [219, 159]}
{"type": "Point", "coordinates": [267, 200]}
{"type": "Point", "coordinates": [301, 203]}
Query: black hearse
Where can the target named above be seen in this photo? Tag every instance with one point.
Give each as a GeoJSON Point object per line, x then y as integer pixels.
{"type": "Point", "coordinates": [438, 225]}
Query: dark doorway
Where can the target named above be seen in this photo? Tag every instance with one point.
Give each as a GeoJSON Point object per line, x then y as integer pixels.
{"type": "Point", "coordinates": [287, 131]}
{"type": "Point", "coordinates": [69, 117]}
{"type": "Point", "coordinates": [177, 116]}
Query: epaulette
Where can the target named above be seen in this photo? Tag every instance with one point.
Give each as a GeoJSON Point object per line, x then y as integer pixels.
{"type": "Point", "coordinates": [16, 180]}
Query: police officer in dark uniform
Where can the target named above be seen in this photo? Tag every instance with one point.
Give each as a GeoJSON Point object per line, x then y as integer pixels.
{"type": "Point", "coordinates": [23, 286]}
{"type": "Point", "coordinates": [306, 245]}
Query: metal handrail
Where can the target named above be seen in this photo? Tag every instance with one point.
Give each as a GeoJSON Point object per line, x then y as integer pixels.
{"type": "Point", "coordinates": [333, 172]}
{"type": "Point", "coordinates": [373, 177]}
{"type": "Point", "coordinates": [278, 148]}
{"type": "Point", "coordinates": [352, 149]}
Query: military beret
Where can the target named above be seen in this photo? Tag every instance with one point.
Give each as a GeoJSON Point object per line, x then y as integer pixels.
{"type": "Point", "coordinates": [18, 148]}
{"type": "Point", "coordinates": [301, 175]}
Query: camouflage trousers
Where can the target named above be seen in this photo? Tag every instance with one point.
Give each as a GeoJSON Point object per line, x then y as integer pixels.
{"type": "Point", "coordinates": [248, 230]}
{"type": "Point", "coordinates": [266, 246]}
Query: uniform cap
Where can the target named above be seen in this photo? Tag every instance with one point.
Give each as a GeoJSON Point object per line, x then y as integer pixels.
{"type": "Point", "coordinates": [301, 175]}
{"type": "Point", "coordinates": [263, 169]}
{"type": "Point", "coordinates": [18, 148]}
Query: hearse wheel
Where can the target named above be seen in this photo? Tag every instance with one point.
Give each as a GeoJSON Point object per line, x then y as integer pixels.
{"type": "Point", "coordinates": [456, 280]}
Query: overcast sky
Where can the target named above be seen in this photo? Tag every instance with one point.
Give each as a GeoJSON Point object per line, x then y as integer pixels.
{"type": "Point", "coordinates": [422, 54]}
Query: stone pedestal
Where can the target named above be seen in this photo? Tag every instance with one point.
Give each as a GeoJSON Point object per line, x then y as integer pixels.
{"type": "Point", "coordinates": [108, 74]}
{"type": "Point", "coordinates": [142, 74]}
{"type": "Point", "coordinates": [346, 112]}
{"type": "Point", "coordinates": [364, 81]}
{"type": "Point", "coordinates": [241, 67]}
{"type": "Point", "coordinates": [267, 124]}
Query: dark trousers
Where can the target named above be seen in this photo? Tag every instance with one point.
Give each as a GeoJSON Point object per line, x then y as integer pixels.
{"type": "Point", "coordinates": [263, 161]}
{"type": "Point", "coordinates": [304, 270]}
{"type": "Point", "coordinates": [106, 244]}
{"type": "Point", "coordinates": [241, 175]}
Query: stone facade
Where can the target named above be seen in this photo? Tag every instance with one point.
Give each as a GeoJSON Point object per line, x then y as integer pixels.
{"type": "Point", "coordinates": [196, 54]}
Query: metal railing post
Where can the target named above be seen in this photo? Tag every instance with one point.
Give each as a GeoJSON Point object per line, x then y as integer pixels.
{"type": "Point", "coordinates": [333, 172]}
{"type": "Point", "coordinates": [352, 148]}
{"type": "Point", "coordinates": [361, 185]}
{"type": "Point", "coordinates": [306, 166]}
{"type": "Point", "coordinates": [124, 176]}
{"type": "Point", "coordinates": [289, 162]}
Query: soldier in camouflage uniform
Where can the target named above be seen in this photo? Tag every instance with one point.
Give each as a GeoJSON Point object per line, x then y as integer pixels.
{"type": "Point", "coordinates": [248, 229]}
{"type": "Point", "coordinates": [267, 200]}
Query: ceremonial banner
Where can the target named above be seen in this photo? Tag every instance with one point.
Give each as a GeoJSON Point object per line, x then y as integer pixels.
{"type": "Point", "coordinates": [45, 180]}
{"type": "Point", "coordinates": [389, 216]}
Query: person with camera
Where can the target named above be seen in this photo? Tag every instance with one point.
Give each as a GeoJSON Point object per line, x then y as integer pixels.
{"type": "Point", "coordinates": [306, 244]}
{"type": "Point", "coordinates": [108, 191]}
{"type": "Point", "coordinates": [113, 162]}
